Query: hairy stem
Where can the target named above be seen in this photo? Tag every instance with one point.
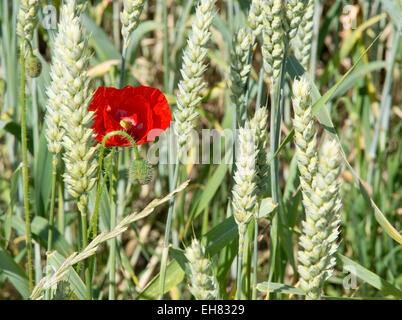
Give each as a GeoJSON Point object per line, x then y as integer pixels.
{"type": "Point", "coordinates": [25, 169]}
{"type": "Point", "coordinates": [112, 253]}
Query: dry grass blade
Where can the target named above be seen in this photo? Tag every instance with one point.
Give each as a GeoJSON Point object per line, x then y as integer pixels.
{"type": "Point", "coordinates": [75, 257]}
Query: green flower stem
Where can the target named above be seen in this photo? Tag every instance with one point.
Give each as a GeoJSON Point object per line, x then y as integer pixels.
{"type": "Point", "coordinates": [25, 169]}
{"type": "Point", "coordinates": [94, 222]}
{"type": "Point", "coordinates": [112, 253]}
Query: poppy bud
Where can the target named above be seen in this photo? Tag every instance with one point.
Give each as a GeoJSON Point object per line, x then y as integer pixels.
{"type": "Point", "coordinates": [141, 172]}
{"type": "Point", "coordinates": [34, 67]}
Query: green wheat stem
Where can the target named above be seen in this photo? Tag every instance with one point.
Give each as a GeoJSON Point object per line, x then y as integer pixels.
{"type": "Point", "coordinates": [240, 256]}
{"type": "Point", "coordinates": [52, 203]}
{"type": "Point", "coordinates": [275, 128]}
{"type": "Point", "coordinates": [51, 212]}
{"type": "Point", "coordinates": [165, 252]}
{"type": "Point", "coordinates": [165, 46]}
{"type": "Point", "coordinates": [25, 168]}
{"type": "Point", "coordinates": [84, 234]}
{"type": "Point", "coordinates": [255, 258]}
{"type": "Point", "coordinates": [60, 209]}
{"type": "Point", "coordinates": [123, 64]}
{"type": "Point", "coordinates": [314, 44]}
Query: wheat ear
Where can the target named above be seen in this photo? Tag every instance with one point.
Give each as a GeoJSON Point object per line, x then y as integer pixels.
{"type": "Point", "coordinates": [305, 135]}
{"type": "Point", "coordinates": [130, 17]}
{"type": "Point", "coordinates": [273, 37]}
{"type": "Point", "coordinates": [294, 11]}
{"type": "Point", "coordinates": [244, 189]}
{"type": "Point", "coordinates": [240, 67]}
{"type": "Point", "coordinates": [320, 228]}
{"type": "Point", "coordinates": [259, 125]}
{"type": "Point", "coordinates": [244, 193]}
{"type": "Point", "coordinates": [27, 18]}
{"type": "Point", "coordinates": [321, 201]}
{"type": "Point", "coordinates": [192, 72]}
{"type": "Point", "coordinates": [204, 285]}
{"type": "Point", "coordinates": [302, 42]}
{"type": "Point", "coordinates": [256, 17]}
{"type": "Point", "coordinates": [78, 140]}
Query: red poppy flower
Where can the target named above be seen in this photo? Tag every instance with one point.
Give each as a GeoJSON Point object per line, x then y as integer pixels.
{"type": "Point", "coordinates": [142, 112]}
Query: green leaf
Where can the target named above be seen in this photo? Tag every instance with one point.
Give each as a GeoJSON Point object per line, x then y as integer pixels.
{"type": "Point", "coordinates": [210, 189]}
{"type": "Point", "coordinates": [174, 275]}
{"type": "Point", "coordinates": [180, 257]}
{"type": "Point", "coordinates": [220, 236]}
{"type": "Point", "coordinates": [394, 11]}
{"type": "Point", "coordinates": [216, 239]}
{"type": "Point", "coordinates": [15, 129]}
{"type": "Point", "coordinates": [13, 199]}
{"type": "Point", "coordinates": [138, 34]}
{"type": "Point", "coordinates": [43, 176]}
{"type": "Point", "coordinates": [360, 72]}
{"type": "Point", "coordinates": [274, 287]}
{"type": "Point", "coordinates": [39, 229]}
{"type": "Point", "coordinates": [267, 206]}
{"type": "Point", "coordinates": [100, 41]}
{"type": "Point", "coordinates": [370, 277]}
{"type": "Point", "coordinates": [55, 260]}
{"type": "Point", "coordinates": [14, 273]}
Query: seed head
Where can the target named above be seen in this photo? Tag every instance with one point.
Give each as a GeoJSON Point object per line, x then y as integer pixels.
{"type": "Point", "coordinates": [141, 172]}
{"type": "Point", "coordinates": [33, 67]}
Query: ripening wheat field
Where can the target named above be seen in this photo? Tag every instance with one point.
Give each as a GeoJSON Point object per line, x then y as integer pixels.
{"type": "Point", "coordinates": [200, 149]}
